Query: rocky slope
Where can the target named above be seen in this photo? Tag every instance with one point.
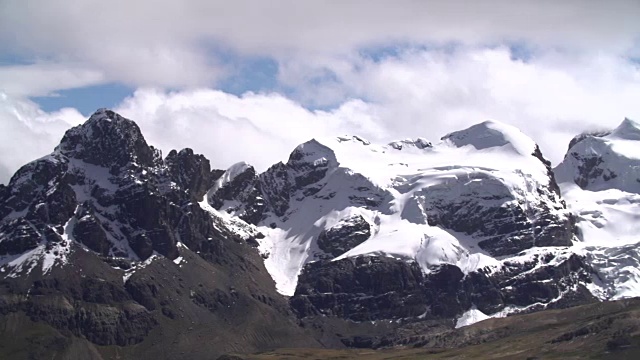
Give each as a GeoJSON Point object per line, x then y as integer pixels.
{"type": "Point", "coordinates": [596, 331]}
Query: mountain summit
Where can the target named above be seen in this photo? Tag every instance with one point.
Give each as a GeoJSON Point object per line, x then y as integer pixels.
{"type": "Point", "coordinates": [108, 140]}
{"type": "Point", "coordinates": [608, 160]}
{"type": "Point", "coordinates": [490, 134]}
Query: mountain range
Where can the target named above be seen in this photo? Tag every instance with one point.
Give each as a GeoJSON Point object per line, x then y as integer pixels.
{"type": "Point", "coordinates": [108, 249]}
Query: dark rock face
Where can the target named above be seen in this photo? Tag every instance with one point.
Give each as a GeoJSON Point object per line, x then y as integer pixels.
{"type": "Point", "coordinates": [276, 187]}
{"type": "Point", "coordinates": [17, 236]}
{"type": "Point", "coordinates": [100, 324]}
{"type": "Point", "coordinates": [243, 189]}
{"type": "Point", "coordinates": [190, 172]}
{"type": "Point", "coordinates": [346, 235]}
{"type": "Point", "coordinates": [553, 184]}
{"type": "Point", "coordinates": [310, 163]}
{"type": "Point", "coordinates": [96, 308]}
{"type": "Point", "coordinates": [360, 289]}
{"type": "Point", "coordinates": [196, 232]}
{"type": "Point", "coordinates": [591, 168]}
{"type": "Point", "coordinates": [29, 181]}
{"type": "Point", "coordinates": [506, 224]}
{"type": "Point", "coordinates": [90, 232]}
{"type": "Point", "coordinates": [376, 288]}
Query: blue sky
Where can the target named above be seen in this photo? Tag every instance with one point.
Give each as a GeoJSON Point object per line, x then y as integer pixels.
{"type": "Point", "coordinates": [252, 73]}
{"type": "Point", "coordinates": [85, 99]}
{"type": "Point", "coordinates": [215, 74]}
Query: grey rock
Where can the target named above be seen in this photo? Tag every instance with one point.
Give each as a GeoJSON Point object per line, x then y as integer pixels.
{"type": "Point", "coordinates": [344, 236]}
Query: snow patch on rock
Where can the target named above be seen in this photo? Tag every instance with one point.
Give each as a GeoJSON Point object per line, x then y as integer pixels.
{"type": "Point", "coordinates": [471, 317]}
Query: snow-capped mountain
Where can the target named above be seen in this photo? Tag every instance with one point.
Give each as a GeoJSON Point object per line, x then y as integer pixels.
{"type": "Point", "coordinates": [475, 221]}
{"type": "Point", "coordinates": [105, 188]}
{"type": "Point", "coordinates": [105, 242]}
{"type": "Point", "coordinates": [480, 193]}
{"type": "Point", "coordinates": [483, 201]}
{"type": "Point", "coordinates": [600, 181]}
{"type": "Point", "coordinates": [472, 226]}
{"type": "Point", "coordinates": [606, 160]}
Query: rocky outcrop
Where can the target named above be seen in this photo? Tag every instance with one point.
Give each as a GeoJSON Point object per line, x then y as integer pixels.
{"type": "Point", "coordinates": [191, 172]}
{"type": "Point", "coordinates": [242, 188]}
{"type": "Point", "coordinates": [344, 236]}
{"type": "Point", "coordinates": [89, 231]}
{"type": "Point", "coordinates": [379, 288]}
{"type": "Point", "coordinates": [506, 222]}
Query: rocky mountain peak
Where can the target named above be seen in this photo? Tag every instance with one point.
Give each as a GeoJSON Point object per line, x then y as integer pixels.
{"type": "Point", "coordinates": [489, 134]}
{"type": "Point", "coordinates": [310, 162]}
{"type": "Point", "coordinates": [604, 160]}
{"type": "Point", "coordinates": [627, 130]}
{"type": "Point", "coordinates": [597, 133]}
{"type": "Point", "coordinates": [107, 139]}
{"type": "Point", "coordinates": [312, 153]}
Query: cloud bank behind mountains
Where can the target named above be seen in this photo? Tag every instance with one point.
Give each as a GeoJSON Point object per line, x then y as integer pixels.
{"type": "Point", "coordinates": [415, 93]}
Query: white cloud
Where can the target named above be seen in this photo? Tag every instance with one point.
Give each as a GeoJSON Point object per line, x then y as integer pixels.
{"type": "Point", "coordinates": [169, 44]}
{"type": "Point", "coordinates": [318, 26]}
{"type": "Point", "coordinates": [551, 96]}
{"type": "Point", "coordinates": [29, 133]}
{"type": "Point", "coordinates": [415, 93]}
{"type": "Point", "coordinates": [257, 128]}
{"type": "Point", "coordinates": [577, 74]}
{"type": "Point", "coordinates": [44, 79]}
